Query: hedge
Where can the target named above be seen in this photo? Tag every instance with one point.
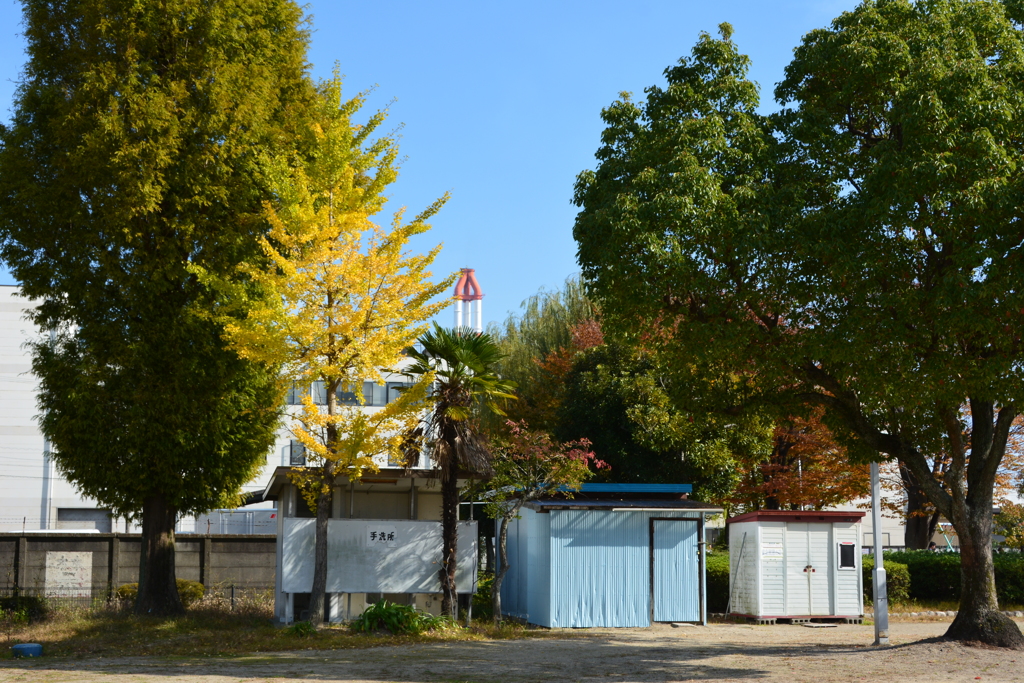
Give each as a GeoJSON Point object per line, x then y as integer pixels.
{"type": "Point", "coordinates": [936, 576]}
{"type": "Point", "coordinates": [717, 569]}
{"type": "Point", "coordinates": [897, 581]}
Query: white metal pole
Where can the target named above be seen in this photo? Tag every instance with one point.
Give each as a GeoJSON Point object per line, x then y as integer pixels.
{"type": "Point", "coordinates": [479, 316]}
{"type": "Point", "coordinates": [878, 575]}
{"type": "Point", "coordinates": [458, 313]}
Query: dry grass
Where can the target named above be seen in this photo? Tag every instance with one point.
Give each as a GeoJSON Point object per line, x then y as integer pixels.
{"type": "Point", "coordinates": [211, 628]}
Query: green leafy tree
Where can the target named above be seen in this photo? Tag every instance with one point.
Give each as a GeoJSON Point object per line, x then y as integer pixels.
{"type": "Point", "coordinates": [618, 400]}
{"type": "Point", "coordinates": [137, 149]}
{"type": "Point", "coordinates": [529, 465]}
{"type": "Point", "coordinates": [463, 365]}
{"type": "Point", "coordinates": [859, 252]}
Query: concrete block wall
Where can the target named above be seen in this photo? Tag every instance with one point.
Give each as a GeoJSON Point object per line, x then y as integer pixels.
{"type": "Point", "coordinates": [245, 561]}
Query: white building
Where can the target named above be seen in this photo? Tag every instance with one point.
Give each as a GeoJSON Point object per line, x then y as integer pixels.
{"type": "Point", "coordinates": [34, 496]}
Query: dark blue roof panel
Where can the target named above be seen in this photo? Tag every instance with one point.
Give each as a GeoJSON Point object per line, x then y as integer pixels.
{"type": "Point", "coordinates": [635, 488]}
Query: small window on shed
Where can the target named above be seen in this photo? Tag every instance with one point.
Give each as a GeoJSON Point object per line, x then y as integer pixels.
{"type": "Point", "coordinates": [847, 556]}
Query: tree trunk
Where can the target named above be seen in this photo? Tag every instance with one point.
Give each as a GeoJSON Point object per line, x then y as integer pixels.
{"type": "Point", "coordinates": [158, 591]}
{"type": "Point", "coordinates": [318, 594]}
{"type": "Point", "coordinates": [979, 618]}
{"type": "Point", "coordinates": [449, 538]}
{"type": "Point", "coordinates": [919, 526]}
{"type": "Point", "coordinates": [503, 563]}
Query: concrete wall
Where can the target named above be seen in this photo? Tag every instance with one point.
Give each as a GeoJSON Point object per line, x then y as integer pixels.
{"type": "Point", "coordinates": [245, 561]}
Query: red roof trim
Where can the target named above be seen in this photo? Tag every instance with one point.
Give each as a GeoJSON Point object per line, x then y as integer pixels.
{"type": "Point", "coordinates": [798, 516]}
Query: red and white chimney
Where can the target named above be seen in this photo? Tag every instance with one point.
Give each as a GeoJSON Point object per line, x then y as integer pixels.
{"type": "Point", "coordinates": [467, 290]}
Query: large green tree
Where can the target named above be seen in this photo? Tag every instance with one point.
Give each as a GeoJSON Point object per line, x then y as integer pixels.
{"type": "Point", "coordinates": [136, 157]}
{"type": "Point", "coordinates": [860, 252]}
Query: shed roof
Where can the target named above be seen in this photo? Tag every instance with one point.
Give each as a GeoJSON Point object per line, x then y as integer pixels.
{"type": "Point", "coordinates": [634, 488]}
{"type": "Point", "coordinates": [545, 505]}
{"type": "Point", "coordinates": [798, 516]}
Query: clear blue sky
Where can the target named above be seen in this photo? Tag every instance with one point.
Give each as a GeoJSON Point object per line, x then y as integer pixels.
{"type": "Point", "coordinates": [500, 105]}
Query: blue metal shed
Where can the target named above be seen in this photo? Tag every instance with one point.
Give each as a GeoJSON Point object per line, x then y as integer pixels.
{"type": "Point", "coordinates": [600, 562]}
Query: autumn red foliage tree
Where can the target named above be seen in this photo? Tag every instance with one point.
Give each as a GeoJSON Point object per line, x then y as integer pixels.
{"type": "Point", "coordinates": [807, 469]}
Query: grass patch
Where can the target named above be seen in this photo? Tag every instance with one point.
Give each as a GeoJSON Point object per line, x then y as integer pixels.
{"type": "Point", "coordinates": [211, 629]}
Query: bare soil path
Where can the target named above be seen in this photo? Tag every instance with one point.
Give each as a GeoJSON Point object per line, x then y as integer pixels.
{"type": "Point", "coordinates": [720, 652]}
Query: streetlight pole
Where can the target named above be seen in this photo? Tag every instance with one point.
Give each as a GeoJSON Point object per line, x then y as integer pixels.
{"type": "Point", "coordinates": [878, 575]}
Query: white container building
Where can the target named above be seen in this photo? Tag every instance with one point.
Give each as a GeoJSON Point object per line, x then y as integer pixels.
{"type": "Point", "coordinates": [796, 565]}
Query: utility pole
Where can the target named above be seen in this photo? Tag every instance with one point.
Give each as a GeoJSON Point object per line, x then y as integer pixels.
{"type": "Point", "coordinates": [878, 575]}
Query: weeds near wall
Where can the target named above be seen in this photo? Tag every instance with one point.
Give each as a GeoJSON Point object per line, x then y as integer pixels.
{"type": "Point", "coordinates": [398, 620]}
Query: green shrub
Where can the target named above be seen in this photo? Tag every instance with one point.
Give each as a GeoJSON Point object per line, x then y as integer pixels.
{"type": "Point", "coordinates": [716, 566]}
{"type": "Point", "coordinates": [934, 577]}
{"type": "Point", "coordinates": [190, 592]}
{"type": "Point", "coordinates": [483, 608]}
{"type": "Point", "coordinates": [302, 629]}
{"type": "Point", "coordinates": [397, 619]}
{"type": "Point", "coordinates": [24, 607]}
{"type": "Point", "coordinates": [897, 581]}
{"type": "Point", "coordinates": [1010, 578]}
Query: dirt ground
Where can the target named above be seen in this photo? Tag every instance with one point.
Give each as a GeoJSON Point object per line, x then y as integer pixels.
{"type": "Point", "coordinates": [719, 652]}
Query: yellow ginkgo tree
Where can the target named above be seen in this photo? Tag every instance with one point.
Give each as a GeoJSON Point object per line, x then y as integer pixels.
{"type": "Point", "coordinates": [349, 297]}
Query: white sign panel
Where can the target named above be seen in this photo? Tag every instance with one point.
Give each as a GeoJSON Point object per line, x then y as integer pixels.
{"type": "Point", "coordinates": [771, 550]}
{"type": "Point", "coordinates": [68, 574]}
{"type": "Point", "coordinates": [382, 556]}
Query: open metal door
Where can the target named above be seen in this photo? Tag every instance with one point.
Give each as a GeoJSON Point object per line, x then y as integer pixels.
{"type": "Point", "coordinates": [676, 578]}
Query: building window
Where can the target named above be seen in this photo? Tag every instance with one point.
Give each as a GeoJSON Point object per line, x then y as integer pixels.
{"type": "Point", "coordinates": [347, 395]}
{"type": "Point", "coordinates": [395, 390]}
{"type": "Point", "coordinates": [296, 393]}
{"type": "Point", "coordinates": [374, 394]}
{"type": "Point", "coordinates": [296, 454]}
{"type": "Point", "coordinates": [847, 555]}
{"type": "Point", "coordinates": [319, 393]}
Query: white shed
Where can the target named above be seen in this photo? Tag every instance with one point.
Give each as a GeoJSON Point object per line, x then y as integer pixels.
{"type": "Point", "coordinates": [795, 565]}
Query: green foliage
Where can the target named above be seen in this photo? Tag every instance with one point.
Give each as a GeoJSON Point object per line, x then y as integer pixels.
{"type": "Point", "coordinates": [936, 576]}
{"type": "Point", "coordinates": [544, 329]}
{"type": "Point", "coordinates": [857, 251]}
{"type": "Point", "coordinates": [897, 581]}
{"type": "Point", "coordinates": [301, 629]}
{"type": "Point", "coordinates": [190, 592]}
{"type": "Point", "coordinates": [29, 607]}
{"type": "Point", "coordinates": [623, 404]}
{"type": "Point", "coordinates": [139, 150]}
{"type": "Point", "coordinates": [1009, 523]}
{"type": "Point", "coordinates": [716, 566]}
{"type": "Point", "coordinates": [397, 619]}
{"type": "Point", "coordinates": [933, 576]}
{"type": "Point", "coordinates": [483, 608]}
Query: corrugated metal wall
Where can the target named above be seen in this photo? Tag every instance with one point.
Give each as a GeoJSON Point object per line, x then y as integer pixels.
{"type": "Point", "coordinates": [676, 563]}
{"type": "Point", "coordinates": [600, 567]}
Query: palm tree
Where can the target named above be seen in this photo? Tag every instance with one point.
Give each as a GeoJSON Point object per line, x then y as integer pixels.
{"type": "Point", "coordinates": [465, 382]}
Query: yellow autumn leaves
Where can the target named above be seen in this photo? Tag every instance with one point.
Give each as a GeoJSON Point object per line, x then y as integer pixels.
{"type": "Point", "coordinates": [348, 295]}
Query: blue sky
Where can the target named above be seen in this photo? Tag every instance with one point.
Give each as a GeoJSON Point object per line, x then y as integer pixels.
{"type": "Point", "coordinates": [500, 104]}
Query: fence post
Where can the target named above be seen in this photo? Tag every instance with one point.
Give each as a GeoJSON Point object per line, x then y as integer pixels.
{"type": "Point", "coordinates": [205, 559]}
{"type": "Point", "coordinates": [20, 565]}
{"type": "Point", "coordinates": [113, 566]}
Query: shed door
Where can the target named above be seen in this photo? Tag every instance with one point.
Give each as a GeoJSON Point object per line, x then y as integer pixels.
{"type": "Point", "coordinates": [676, 570]}
{"type": "Point", "coordinates": [808, 569]}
